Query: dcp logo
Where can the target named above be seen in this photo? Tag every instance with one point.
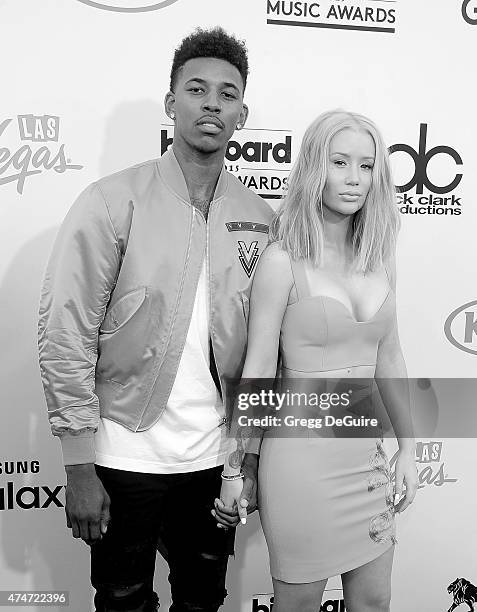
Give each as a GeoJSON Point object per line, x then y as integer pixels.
{"type": "Point", "coordinates": [128, 6]}
{"type": "Point", "coordinates": [421, 159]}
{"type": "Point", "coordinates": [460, 327]}
{"type": "Point", "coordinates": [469, 11]}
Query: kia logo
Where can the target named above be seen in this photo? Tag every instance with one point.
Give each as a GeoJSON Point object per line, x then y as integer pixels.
{"type": "Point", "coordinates": [469, 13]}
{"type": "Point", "coordinates": [129, 6]}
{"type": "Point", "coordinates": [460, 327]}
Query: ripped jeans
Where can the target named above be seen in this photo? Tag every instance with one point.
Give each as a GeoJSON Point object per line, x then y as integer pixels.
{"type": "Point", "coordinates": [169, 513]}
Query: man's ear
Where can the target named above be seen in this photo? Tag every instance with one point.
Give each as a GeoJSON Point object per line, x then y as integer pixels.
{"type": "Point", "coordinates": [243, 115]}
{"type": "Point", "coordinates": [169, 102]}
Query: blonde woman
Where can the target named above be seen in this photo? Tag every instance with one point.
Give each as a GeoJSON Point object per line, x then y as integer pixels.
{"type": "Point", "coordinates": [324, 297]}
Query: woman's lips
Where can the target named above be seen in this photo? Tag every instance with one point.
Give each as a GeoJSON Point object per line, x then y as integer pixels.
{"type": "Point", "coordinates": [350, 197]}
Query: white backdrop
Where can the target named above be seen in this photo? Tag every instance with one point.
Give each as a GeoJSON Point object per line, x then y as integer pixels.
{"type": "Point", "coordinates": [81, 97]}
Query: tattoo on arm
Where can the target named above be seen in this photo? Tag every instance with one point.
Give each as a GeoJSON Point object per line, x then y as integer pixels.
{"type": "Point", "coordinates": [236, 458]}
{"type": "Point", "coordinates": [242, 436]}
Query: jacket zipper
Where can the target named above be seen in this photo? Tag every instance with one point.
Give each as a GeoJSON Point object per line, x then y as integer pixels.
{"type": "Point", "coordinates": [207, 246]}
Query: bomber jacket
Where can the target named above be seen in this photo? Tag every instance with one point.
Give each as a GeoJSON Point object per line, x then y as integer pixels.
{"type": "Point", "coordinates": [119, 290]}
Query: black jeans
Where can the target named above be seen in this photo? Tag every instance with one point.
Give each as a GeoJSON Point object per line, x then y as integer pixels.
{"type": "Point", "coordinates": [169, 513]}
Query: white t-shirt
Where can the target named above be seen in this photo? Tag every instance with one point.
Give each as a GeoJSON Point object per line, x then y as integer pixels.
{"type": "Point", "coordinates": [190, 434]}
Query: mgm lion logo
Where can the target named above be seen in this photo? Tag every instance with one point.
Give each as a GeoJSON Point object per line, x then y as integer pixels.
{"type": "Point", "coordinates": [464, 593]}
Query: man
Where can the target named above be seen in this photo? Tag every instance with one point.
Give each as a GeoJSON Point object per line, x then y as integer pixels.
{"type": "Point", "coordinates": [144, 306]}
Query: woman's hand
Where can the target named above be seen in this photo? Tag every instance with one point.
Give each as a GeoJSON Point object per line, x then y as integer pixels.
{"type": "Point", "coordinates": [226, 508]}
{"type": "Point", "coordinates": [405, 476]}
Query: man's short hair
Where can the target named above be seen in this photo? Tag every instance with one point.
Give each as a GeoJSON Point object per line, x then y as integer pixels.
{"type": "Point", "coordinates": [211, 43]}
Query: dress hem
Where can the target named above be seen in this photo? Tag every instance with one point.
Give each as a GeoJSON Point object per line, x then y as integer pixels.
{"type": "Point", "coordinates": [353, 565]}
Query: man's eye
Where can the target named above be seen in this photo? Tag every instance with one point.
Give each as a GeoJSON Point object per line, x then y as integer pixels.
{"type": "Point", "coordinates": [196, 89]}
{"type": "Point", "coordinates": [229, 96]}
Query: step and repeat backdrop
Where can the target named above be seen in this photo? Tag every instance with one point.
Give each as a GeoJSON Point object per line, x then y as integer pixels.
{"type": "Point", "coordinates": [82, 93]}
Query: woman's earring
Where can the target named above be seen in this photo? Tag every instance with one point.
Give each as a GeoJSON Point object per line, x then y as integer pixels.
{"type": "Point", "coordinates": [172, 115]}
{"type": "Point", "coordinates": [239, 126]}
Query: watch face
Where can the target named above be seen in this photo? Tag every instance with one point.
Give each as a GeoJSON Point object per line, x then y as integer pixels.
{"type": "Point", "coordinates": [128, 6]}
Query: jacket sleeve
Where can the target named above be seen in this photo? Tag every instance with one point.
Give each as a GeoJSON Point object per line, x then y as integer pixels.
{"type": "Point", "coordinates": [80, 276]}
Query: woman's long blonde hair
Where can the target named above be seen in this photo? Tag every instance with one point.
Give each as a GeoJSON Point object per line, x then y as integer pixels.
{"type": "Point", "coordinates": [298, 224]}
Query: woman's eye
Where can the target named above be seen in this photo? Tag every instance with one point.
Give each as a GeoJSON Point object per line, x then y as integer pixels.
{"type": "Point", "coordinates": [367, 166]}
{"type": "Point", "coordinates": [339, 162]}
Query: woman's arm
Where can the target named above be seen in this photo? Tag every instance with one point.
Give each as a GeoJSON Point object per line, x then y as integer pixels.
{"type": "Point", "coordinates": [391, 379]}
{"type": "Point", "coordinates": [268, 300]}
{"type": "Point", "coordinates": [392, 382]}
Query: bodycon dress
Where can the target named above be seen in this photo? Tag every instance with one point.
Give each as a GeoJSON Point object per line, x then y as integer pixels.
{"type": "Point", "coordinates": [326, 503]}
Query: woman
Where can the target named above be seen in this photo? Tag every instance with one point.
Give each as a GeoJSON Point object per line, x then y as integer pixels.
{"type": "Point", "coordinates": [324, 296]}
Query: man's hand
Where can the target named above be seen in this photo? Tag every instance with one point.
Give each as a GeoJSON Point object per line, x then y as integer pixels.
{"type": "Point", "coordinates": [238, 497]}
{"type": "Point", "coordinates": [225, 509]}
{"type": "Point", "coordinates": [87, 503]}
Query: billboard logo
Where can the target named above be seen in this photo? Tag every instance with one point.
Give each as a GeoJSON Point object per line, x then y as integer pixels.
{"type": "Point", "coordinates": [27, 160]}
{"type": "Point", "coordinates": [259, 158]}
{"type": "Point", "coordinates": [332, 602]}
{"type": "Point", "coordinates": [430, 203]}
{"type": "Point", "coordinates": [460, 327]}
{"type": "Point", "coordinates": [469, 11]}
{"type": "Point", "coordinates": [128, 6]}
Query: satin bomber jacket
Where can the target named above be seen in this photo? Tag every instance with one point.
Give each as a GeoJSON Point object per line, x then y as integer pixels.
{"type": "Point", "coordinates": [119, 290]}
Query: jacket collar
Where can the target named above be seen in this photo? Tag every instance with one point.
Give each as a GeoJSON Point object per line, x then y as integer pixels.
{"type": "Point", "coordinates": [173, 176]}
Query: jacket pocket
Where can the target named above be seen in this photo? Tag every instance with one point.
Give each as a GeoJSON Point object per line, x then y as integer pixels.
{"type": "Point", "coordinates": [124, 309]}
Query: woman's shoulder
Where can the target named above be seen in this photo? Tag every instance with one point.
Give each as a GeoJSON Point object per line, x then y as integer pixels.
{"type": "Point", "coordinates": [276, 251]}
{"type": "Point", "coordinates": [275, 262]}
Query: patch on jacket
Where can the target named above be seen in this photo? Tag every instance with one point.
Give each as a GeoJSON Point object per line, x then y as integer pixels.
{"type": "Point", "coordinates": [246, 226]}
{"type": "Point", "coordinates": [248, 256]}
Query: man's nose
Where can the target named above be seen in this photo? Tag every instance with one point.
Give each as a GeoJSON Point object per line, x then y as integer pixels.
{"type": "Point", "coordinates": [212, 102]}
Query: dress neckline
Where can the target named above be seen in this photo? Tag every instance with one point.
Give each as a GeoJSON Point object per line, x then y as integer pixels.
{"type": "Point", "coordinates": [343, 305]}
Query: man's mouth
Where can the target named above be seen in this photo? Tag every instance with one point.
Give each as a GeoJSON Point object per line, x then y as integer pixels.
{"type": "Point", "coordinates": [211, 124]}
